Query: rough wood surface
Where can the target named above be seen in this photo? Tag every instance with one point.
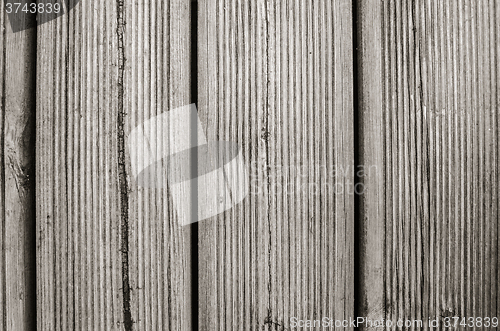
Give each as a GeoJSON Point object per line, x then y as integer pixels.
{"type": "Point", "coordinates": [79, 265]}
{"type": "Point", "coordinates": [157, 79]}
{"type": "Point", "coordinates": [17, 170]}
{"type": "Point", "coordinates": [276, 77]}
{"type": "Point", "coordinates": [110, 255]}
{"type": "Point", "coordinates": [429, 112]}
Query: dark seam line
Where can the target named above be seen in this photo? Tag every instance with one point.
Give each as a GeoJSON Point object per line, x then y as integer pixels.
{"type": "Point", "coordinates": [194, 189]}
{"type": "Point", "coordinates": [358, 159]}
{"type": "Point", "coordinates": [122, 174]}
{"type": "Point", "coordinates": [32, 174]}
{"type": "Point", "coordinates": [383, 41]}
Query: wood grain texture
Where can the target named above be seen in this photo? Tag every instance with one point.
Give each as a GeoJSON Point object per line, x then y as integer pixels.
{"type": "Point", "coordinates": [110, 254]}
{"type": "Point", "coordinates": [157, 79]}
{"type": "Point", "coordinates": [429, 112]}
{"type": "Point", "coordinates": [276, 77]}
{"type": "Point", "coordinates": [79, 268]}
{"type": "Point", "coordinates": [17, 192]}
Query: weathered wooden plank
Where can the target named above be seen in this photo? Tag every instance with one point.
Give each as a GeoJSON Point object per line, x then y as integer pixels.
{"type": "Point", "coordinates": [157, 79]}
{"type": "Point", "coordinates": [429, 101]}
{"type": "Point", "coordinates": [110, 254]}
{"type": "Point", "coordinates": [17, 193]}
{"type": "Point", "coordinates": [79, 267]}
{"type": "Point", "coordinates": [276, 77]}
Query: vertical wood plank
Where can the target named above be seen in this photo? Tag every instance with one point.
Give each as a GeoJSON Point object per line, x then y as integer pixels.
{"type": "Point", "coordinates": [157, 79]}
{"type": "Point", "coordinates": [110, 254]}
{"type": "Point", "coordinates": [429, 101]}
{"type": "Point", "coordinates": [371, 205]}
{"type": "Point", "coordinates": [79, 265]}
{"type": "Point", "coordinates": [17, 216]}
{"type": "Point", "coordinates": [276, 77]}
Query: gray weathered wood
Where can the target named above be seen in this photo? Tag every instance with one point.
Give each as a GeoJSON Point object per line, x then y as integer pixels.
{"type": "Point", "coordinates": [110, 254]}
{"type": "Point", "coordinates": [429, 112]}
{"type": "Point", "coordinates": [157, 79]}
{"type": "Point", "coordinates": [17, 192]}
{"type": "Point", "coordinates": [276, 77]}
{"type": "Point", "coordinates": [79, 267]}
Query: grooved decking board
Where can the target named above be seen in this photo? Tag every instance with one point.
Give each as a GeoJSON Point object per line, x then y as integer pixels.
{"type": "Point", "coordinates": [429, 112]}
{"type": "Point", "coordinates": [276, 77]}
{"type": "Point", "coordinates": [110, 255]}
{"type": "Point", "coordinates": [156, 79]}
{"type": "Point", "coordinates": [79, 265]}
{"type": "Point", "coordinates": [17, 192]}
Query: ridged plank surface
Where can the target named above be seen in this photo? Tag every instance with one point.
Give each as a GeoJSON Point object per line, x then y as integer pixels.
{"type": "Point", "coordinates": [79, 273]}
{"type": "Point", "coordinates": [110, 256]}
{"type": "Point", "coordinates": [276, 77]}
{"type": "Point", "coordinates": [429, 112]}
{"type": "Point", "coordinates": [17, 172]}
{"type": "Point", "coordinates": [156, 79]}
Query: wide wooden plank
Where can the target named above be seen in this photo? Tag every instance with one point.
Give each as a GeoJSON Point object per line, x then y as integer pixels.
{"type": "Point", "coordinates": [277, 78]}
{"type": "Point", "coordinates": [79, 264]}
{"type": "Point", "coordinates": [17, 192]}
{"type": "Point", "coordinates": [429, 112]}
{"type": "Point", "coordinates": [111, 255]}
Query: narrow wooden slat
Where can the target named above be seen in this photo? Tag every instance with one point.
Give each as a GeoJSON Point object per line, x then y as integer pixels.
{"type": "Point", "coordinates": [276, 77]}
{"type": "Point", "coordinates": [429, 102]}
{"type": "Point", "coordinates": [17, 206]}
{"type": "Point", "coordinates": [157, 79]}
{"type": "Point", "coordinates": [110, 254]}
